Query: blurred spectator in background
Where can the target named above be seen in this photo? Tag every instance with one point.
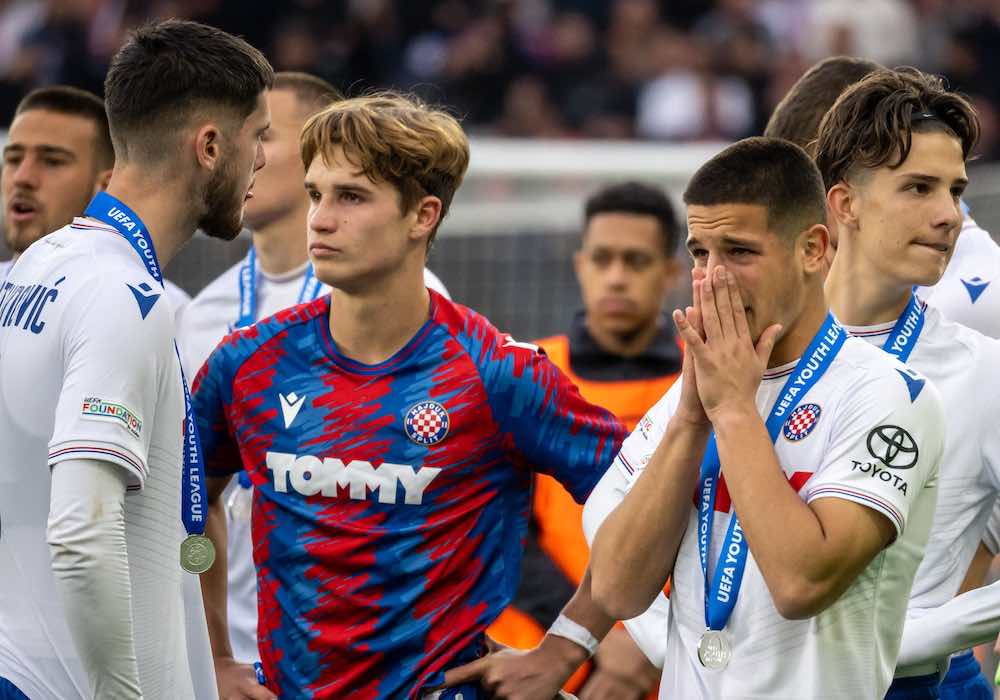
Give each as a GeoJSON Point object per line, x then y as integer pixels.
{"type": "Point", "coordinates": [681, 70]}
{"type": "Point", "coordinates": [622, 354]}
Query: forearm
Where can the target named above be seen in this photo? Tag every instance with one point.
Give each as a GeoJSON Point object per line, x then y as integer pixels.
{"type": "Point", "coordinates": [87, 543]}
{"type": "Point", "coordinates": [215, 581]}
{"type": "Point", "coordinates": [964, 621]}
{"type": "Point", "coordinates": [633, 552]}
{"type": "Point", "coordinates": [783, 532]}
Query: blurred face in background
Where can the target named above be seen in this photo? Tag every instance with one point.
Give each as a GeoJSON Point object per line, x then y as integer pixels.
{"type": "Point", "coordinates": [50, 173]}
{"type": "Point", "coordinates": [278, 189]}
{"type": "Point", "coordinates": [625, 272]}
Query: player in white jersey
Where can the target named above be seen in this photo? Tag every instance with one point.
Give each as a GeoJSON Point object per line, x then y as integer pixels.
{"type": "Point", "coordinates": [969, 290]}
{"type": "Point", "coordinates": [830, 462]}
{"type": "Point", "coordinates": [276, 277]}
{"type": "Point", "coordinates": [892, 151]}
{"type": "Point", "coordinates": [92, 397]}
{"type": "Point", "coordinates": [57, 156]}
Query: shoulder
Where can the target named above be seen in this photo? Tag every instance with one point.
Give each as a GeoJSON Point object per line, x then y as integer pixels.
{"type": "Point", "coordinates": [242, 343]}
{"type": "Point", "coordinates": [485, 344]}
{"type": "Point", "coordinates": [223, 290]}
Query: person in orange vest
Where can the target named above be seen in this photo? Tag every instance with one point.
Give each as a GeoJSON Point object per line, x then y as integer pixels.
{"type": "Point", "coordinates": [622, 354]}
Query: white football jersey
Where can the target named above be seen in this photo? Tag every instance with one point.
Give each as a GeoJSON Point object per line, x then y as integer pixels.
{"type": "Point", "coordinates": [869, 432]}
{"type": "Point", "coordinates": [88, 370]}
{"type": "Point", "coordinates": [969, 291]}
{"type": "Point", "coordinates": [964, 366]}
{"type": "Point", "coordinates": [203, 323]}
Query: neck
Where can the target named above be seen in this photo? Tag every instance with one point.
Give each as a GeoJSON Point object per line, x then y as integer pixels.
{"type": "Point", "coordinates": [372, 325]}
{"type": "Point", "coordinates": [629, 344]}
{"type": "Point", "coordinates": [859, 296]}
{"type": "Point", "coordinates": [797, 336]}
{"type": "Point", "coordinates": [163, 206]}
{"type": "Point", "coordinates": [281, 244]}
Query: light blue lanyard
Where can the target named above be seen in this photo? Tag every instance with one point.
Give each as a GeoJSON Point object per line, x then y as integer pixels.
{"type": "Point", "coordinates": [248, 289]}
{"type": "Point", "coordinates": [720, 596]}
{"type": "Point", "coordinates": [194, 492]}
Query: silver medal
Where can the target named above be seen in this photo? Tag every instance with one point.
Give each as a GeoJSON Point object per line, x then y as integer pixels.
{"type": "Point", "coordinates": [714, 649]}
{"type": "Point", "coordinates": [197, 554]}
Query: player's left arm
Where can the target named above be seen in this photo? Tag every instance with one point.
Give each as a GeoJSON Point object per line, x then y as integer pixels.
{"type": "Point", "coordinates": [809, 551]}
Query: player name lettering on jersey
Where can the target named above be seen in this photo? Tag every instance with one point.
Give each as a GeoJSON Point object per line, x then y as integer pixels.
{"type": "Point", "coordinates": [309, 475]}
{"type": "Point", "coordinates": [21, 305]}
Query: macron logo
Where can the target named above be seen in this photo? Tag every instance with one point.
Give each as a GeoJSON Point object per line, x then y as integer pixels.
{"type": "Point", "coordinates": [290, 406]}
{"type": "Point", "coordinates": [975, 287]}
{"type": "Point", "coordinates": [145, 297]}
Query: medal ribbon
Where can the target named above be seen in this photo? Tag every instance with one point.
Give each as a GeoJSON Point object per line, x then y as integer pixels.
{"type": "Point", "coordinates": [248, 289]}
{"type": "Point", "coordinates": [906, 332]}
{"type": "Point", "coordinates": [194, 491]}
{"type": "Point", "coordinates": [720, 596]}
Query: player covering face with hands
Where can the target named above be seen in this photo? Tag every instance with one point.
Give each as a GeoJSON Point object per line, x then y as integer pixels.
{"type": "Point", "coordinates": [749, 483]}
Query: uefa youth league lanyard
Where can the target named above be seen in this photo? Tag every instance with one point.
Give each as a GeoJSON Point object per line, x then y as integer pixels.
{"type": "Point", "coordinates": [721, 592]}
{"type": "Point", "coordinates": [197, 551]}
{"type": "Point", "coordinates": [248, 289]}
{"type": "Point", "coordinates": [311, 288]}
{"type": "Point", "coordinates": [904, 335]}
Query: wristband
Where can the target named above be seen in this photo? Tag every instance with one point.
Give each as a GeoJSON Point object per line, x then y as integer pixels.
{"type": "Point", "coordinates": [574, 632]}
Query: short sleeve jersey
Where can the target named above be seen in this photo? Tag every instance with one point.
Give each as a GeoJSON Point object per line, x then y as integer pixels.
{"type": "Point", "coordinates": [390, 500]}
{"type": "Point", "coordinates": [88, 370]}
{"type": "Point", "coordinates": [869, 431]}
{"type": "Point", "coordinates": [964, 366]}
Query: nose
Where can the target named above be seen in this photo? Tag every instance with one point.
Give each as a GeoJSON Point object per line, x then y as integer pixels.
{"type": "Point", "coordinates": [617, 273]}
{"type": "Point", "coordinates": [26, 173]}
{"type": "Point", "coordinates": [322, 216]}
{"type": "Point", "coordinates": [260, 160]}
{"type": "Point", "coordinates": [947, 212]}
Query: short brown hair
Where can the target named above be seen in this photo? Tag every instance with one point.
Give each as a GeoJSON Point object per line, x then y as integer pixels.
{"type": "Point", "coordinates": [65, 99]}
{"type": "Point", "coordinates": [167, 71]}
{"type": "Point", "coordinates": [772, 173]}
{"type": "Point", "coordinates": [393, 138]}
{"type": "Point", "coordinates": [312, 92]}
{"type": "Point", "coordinates": [872, 123]}
{"type": "Point", "coordinates": [797, 116]}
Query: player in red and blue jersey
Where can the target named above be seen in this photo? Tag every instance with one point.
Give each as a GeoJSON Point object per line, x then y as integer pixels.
{"type": "Point", "coordinates": [390, 434]}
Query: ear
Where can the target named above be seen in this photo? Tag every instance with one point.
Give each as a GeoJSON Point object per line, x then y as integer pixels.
{"type": "Point", "coordinates": [428, 214]}
{"type": "Point", "coordinates": [208, 146]}
{"type": "Point", "coordinates": [841, 206]}
{"type": "Point", "coordinates": [103, 178]}
{"type": "Point", "coordinates": [814, 243]}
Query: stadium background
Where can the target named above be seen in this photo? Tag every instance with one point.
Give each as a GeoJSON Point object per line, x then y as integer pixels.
{"type": "Point", "coordinates": [559, 96]}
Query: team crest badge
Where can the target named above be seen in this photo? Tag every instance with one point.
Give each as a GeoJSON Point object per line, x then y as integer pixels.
{"type": "Point", "coordinates": [427, 423]}
{"type": "Point", "coordinates": [801, 422]}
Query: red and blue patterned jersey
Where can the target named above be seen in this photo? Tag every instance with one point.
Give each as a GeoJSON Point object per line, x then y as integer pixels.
{"type": "Point", "coordinates": [390, 500]}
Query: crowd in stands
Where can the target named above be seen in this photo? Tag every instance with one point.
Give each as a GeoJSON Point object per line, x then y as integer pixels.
{"type": "Point", "coordinates": [676, 70]}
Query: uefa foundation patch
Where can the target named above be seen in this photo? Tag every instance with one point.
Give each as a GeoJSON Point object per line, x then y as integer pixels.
{"type": "Point", "coordinates": [801, 422]}
{"type": "Point", "coordinates": [99, 409]}
{"type": "Point", "coordinates": [427, 423]}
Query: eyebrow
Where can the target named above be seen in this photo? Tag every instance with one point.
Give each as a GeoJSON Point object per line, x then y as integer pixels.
{"type": "Point", "coordinates": [44, 149]}
{"type": "Point", "coordinates": [931, 179]}
{"type": "Point", "coordinates": [309, 185]}
{"type": "Point", "coordinates": [725, 240]}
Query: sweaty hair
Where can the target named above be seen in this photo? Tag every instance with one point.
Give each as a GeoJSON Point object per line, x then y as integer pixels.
{"type": "Point", "coordinates": [872, 123]}
{"type": "Point", "coordinates": [393, 138]}
{"type": "Point", "coordinates": [166, 72]}
{"type": "Point", "coordinates": [64, 99]}
{"type": "Point", "coordinates": [797, 116]}
{"type": "Point", "coordinates": [770, 172]}
{"type": "Point", "coordinates": [312, 92]}
{"type": "Point", "coordinates": [636, 198]}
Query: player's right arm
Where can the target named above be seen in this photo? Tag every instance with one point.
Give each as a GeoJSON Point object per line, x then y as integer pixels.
{"type": "Point", "coordinates": [634, 550]}
{"type": "Point", "coordinates": [211, 395]}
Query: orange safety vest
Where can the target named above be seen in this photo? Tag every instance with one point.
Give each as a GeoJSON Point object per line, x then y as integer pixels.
{"type": "Point", "coordinates": [558, 516]}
